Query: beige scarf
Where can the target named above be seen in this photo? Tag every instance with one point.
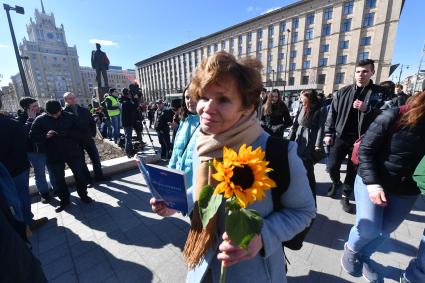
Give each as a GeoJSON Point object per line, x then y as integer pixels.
{"type": "Point", "coordinates": [246, 131]}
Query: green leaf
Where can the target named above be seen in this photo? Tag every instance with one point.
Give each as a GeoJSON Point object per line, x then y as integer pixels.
{"type": "Point", "coordinates": [208, 204]}
{"type": "Point", "coordinates": [242, 225]}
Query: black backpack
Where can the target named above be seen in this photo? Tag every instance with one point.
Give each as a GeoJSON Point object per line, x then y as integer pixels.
{"type": "Point", "coordinates": [277, 155]}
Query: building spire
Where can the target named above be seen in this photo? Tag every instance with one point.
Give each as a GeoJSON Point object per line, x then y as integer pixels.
{"type": "Point", "coordinates": [42, 7]}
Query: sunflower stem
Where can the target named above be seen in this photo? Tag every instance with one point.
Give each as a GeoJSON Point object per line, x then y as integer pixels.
{"type": "Point", "coordinates": [223, 272]}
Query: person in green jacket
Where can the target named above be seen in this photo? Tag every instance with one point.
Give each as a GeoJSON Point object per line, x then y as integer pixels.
{"type": "Point", "coordinates": [185, 140]}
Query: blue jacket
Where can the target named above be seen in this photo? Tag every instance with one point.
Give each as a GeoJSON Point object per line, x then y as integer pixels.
{"type": "Point", "coordinates": [181, 158]}
{"type": "Point", "coordinates": [278, 226]}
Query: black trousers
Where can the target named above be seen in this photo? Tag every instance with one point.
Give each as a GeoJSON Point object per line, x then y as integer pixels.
{"type": "Point", "coordinates": [164, 140]}
{"type": "Point", "coordinates": [76, 165]}
{"type": "Point", "coordinates": [90, 147]}
{"type": "Point", "coordinates": [104, 75]}
{"type": "Point", "coordinates": [339, 150]}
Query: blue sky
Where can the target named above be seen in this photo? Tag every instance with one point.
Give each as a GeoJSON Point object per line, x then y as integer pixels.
{"type": "Point", "coordinates": [138, 29]}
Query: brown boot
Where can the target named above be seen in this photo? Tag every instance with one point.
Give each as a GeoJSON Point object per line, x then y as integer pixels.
{"type": "Point", "coordinates": [38, 223]}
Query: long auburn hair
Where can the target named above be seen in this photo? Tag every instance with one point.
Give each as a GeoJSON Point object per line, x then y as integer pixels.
{"type": "Point", "coordinates": [415, 112]}
{"type": "Point", "coordinates": [314, 102]}
{"type": "Point", "coordinates": [267, 107]}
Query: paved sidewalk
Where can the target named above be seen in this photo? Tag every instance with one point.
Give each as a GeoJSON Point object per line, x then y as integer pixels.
{"type": "Point", "coordinates": [118, 239]}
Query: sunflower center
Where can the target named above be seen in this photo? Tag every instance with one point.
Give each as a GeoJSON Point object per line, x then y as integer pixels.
{"type": "Point", "coordinates": [243, 176]}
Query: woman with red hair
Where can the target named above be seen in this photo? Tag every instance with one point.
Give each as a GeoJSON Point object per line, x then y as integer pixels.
{"type": "Point", "coordinates": [385, 191]}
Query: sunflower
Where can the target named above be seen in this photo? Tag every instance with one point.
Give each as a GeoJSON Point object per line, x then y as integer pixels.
{"type": "Point", "coordinates": [243, 175]}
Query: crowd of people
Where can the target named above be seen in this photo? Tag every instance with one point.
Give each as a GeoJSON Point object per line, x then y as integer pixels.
{"type": "Point", "coordinates": [226, 105]}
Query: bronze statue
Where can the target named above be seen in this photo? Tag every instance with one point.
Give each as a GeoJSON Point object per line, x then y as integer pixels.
{"type": "Point", "coordinates": [100, 62]}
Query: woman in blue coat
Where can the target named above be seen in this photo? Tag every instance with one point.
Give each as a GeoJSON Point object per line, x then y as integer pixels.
{"type": "Point", "coordinates": [185, 140]}
{"type": "Point", "coordinates": [228, 91]}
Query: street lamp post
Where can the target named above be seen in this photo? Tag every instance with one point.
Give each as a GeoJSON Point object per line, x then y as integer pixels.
{"type": "Point", "coordinates": [19, 10]}
{"type": "Point", "coordinates": [286, 61]}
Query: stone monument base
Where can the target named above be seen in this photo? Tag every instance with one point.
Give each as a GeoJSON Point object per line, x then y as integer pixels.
{"type": "Point", "coordinates": [99, 92]}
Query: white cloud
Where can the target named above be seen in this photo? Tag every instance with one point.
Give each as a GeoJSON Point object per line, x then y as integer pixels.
{"type": "Point", "coordinates": [249, 9]}
{"type": "Point", "coordinates": [4, 46]}
{"type": "Point", "coordinates": [103, 42]}
{"type": "Point", "coordinates": [270, 10]}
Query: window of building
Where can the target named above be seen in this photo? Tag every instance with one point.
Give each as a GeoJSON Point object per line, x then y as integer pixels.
{"type": "Point", "coordinates": [223, 45]}
{"type": "Point", "coordinates": [249, 36]}
{"type": "Point", "coordinates": [291, 81]}
{"type": "Point", "coordinates": [348, 7]}
{"type": "Point", "coordinates": [310, 19]}
{"type": "Point", "coordinates": [368, 20]}
{"type": "Point", "coordinates": [259, 45]}
{"type": "Point", "coordinates": [292, 67]}
{"type": "Point", "coordinates": [306, 64]}
{"type": "Point", "coordinates": [294, 37]}
{"type": "Point", "coordinates": [324, 48]}
{"type": "Point", "coordinates": [249, 48]}
{"type": "Point", "coordinates": [240, 50]}
{"type": "Point", "coordinates": [346, 25]}
{"type": "Point", "coordinates": [271, 30]}
{"type": "Point", "coordinates": [259, 33]}
{"type": "Point", "coordinates": [240, 40]}
{"type": "Point", "coordinates": [232, 42]}
{"type": "Point", "coordinates": [304, 80]}
{"type": "Point", "coordinates": [344, 44]}
{"type": "Point", "coordinates": [309, 34]}
{"type": "Point", "coordinates": [215, 47]}
{"type": "Point", "coordinates": [339, 78]}
{"type": "Point", "coordinates": [323, 62]}
{"type": "Point", "coordinates": [326, 30]}
{"type": "Point", "coordinates": [370, 4]}
{"type": "Point", "coordinates": [282, 27]}
{"type": "Point", "coordinates": [259, 55]}
{"type": "Point", "coordinates": [270, 45]}
{"type": "Point", "coordinates": [269, 69]}
{"type": "Point", "coordinates": [269, 58]}
{"type": "Point", "coordinates": [342, 59]}
{"type": "Point", "coordinates": [280, 68]}
{"type": "Point", "coordinates": [363, 56]}
{"type": "Point", "coordinates": [295, 23]}
{"type": "Point", "coordinates": [327, 13]}
{"type": "Point", "coordinates": [307, 51]}
{"type": "Point", "coordinates": [366, 40]}
{"type": "Point", "coordinates": [321, 79]}
{"type": "Point", "coordinates": [209, 50]}
{"type": "Point", "coordinates": [293, 53]}
{"type": "Point", "coordinates": [282, 39]}
{"type": "Point", "coordinates": [281, 56]}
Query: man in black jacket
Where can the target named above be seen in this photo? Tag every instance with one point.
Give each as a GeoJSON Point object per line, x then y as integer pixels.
{"type": "Point", "coordinates": [62, 135]}
{"type": "Point", "coordinates": [128, 119]}
{"type": "Point", "coordinates": [88, 127]}
{"type": "Point", "coordinates": [163, 118]}
{"type": "Point", "coordinates": [353, 109]}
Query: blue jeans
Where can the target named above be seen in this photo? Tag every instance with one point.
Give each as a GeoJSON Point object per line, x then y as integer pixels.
{"type": "Point", "coordinates": [38, 162]}
{"type": "Point", "coordinates": [415, 272]}
{"type": "Point", "coordinates": [115, 120]}
{"type": "Point", "coordinates": [374, 223]}
{"type": "Point", "coordinates": [128, 135]}
{"type": "Point", "coordinates": [22, 186]}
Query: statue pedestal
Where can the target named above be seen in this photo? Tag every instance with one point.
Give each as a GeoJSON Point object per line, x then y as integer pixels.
{"type": "Point", "coordinates": [99, 92]}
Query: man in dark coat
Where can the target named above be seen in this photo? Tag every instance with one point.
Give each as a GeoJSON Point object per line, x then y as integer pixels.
{"type": "Point", "coordinates": [353, 109]}
{"type": "Point", "coordinates": [163, 118]}
{"type": "Point", "coordinates": [88, 127]}
{"type": "Point", "coordinates": [62, 136]}
{"type": "Point", "coordinates": [100, 62]}
{"type": "Point", "coordinates": [128, 120]}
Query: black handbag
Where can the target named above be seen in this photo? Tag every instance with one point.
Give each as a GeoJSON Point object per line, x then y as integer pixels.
{"type": "Point", "coordinates": [318, 155]}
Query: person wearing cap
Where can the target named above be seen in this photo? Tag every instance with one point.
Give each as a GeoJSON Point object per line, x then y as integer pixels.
{"type": "Point", "coordinates": [163, 118]}
{"type": "Point", "coordinates": [113, 109]}
{"type": "Point", "coordinates": [60, 133]}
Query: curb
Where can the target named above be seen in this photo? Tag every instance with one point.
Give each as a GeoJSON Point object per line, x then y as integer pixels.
{"type": "Point", "coordinates": [109, 167]}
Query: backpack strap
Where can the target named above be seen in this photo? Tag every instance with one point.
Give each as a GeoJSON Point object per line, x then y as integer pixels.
{"type": "Point", "coordinates": [277, 155]}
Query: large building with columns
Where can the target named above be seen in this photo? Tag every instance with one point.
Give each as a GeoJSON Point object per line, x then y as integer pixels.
{"type": "Point", "coordinates": [308, 44]}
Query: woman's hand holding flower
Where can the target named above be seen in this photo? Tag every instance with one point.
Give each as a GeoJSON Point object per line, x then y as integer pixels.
{"type": "Point", "coordinates": [231, 254]}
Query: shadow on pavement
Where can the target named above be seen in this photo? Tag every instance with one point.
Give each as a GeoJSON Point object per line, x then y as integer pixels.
{"type": "Point", "coordinates": [317, 277]}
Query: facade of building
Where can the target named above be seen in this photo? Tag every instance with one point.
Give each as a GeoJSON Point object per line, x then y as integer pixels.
{"type": "Point", "coordinates": [9, 99]}
{"type": "Point", "coordinates": [414, 83]}
{"type": "Point", "coordinates": [51, 66]}
{"type": "Point", "coordinates": [309, 44]}
{"type": "Point", "coordinates": [117, 78]}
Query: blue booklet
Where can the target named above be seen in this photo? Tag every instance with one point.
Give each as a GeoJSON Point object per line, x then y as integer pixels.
{"type": "Point", "coordinates": [165, 184]}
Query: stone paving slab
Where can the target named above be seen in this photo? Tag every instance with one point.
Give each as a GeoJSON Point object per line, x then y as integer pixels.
{"type": "Point", "coordinates": [118, 239]}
